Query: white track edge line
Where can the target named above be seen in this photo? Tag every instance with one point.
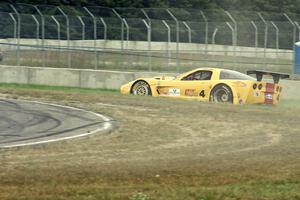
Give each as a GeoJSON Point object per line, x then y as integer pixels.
{"type": "Point", "coordinates": [107, 126]}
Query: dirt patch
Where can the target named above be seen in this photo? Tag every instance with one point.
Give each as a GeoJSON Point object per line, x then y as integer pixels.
{"type": "Point", "coordinates": [186, 143]}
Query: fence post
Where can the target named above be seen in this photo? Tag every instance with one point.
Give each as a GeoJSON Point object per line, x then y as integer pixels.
{"type": "Point", "coordinates": [95, 36]}
{"type": "Point", "coordinates": [43, 33]}
{"type": "Point", "coordinates": [122, 33]}
{"type": "Point", "coordinates": [294, 29]}
{"type": "Point", "coordinates": [83, 30]}
{"type": "Point", "coordinates": [177, 38]}
{"type": "Point", "coordinates": [298, 27]}
{"type": "Point", "coordinates": [189, 38]}
{"type": "Point", "coordinates": [232, 32]}
{"type": "Point", "coordinates": [256, 36]}
{"type": "Point", "coordinates": [147, 17]}
{"type": "Point", "coordinates": [214, 36]}
{"type": "Point", "coordinates": [206, 30]}
{"type": "Point", "coordinates": [169, 41]}
{"type": "Point", "coordinates": [68, 34]}
{"type": "Point", "coordinates": [15, 29]}
{"type": "Point", "coordinates": [105, 28]}
{"type": "Point", "coordinates": [149, 38]}
{"type": "Point", "coordinates": [18, 33]}
{"type": "Point", "coordinates": [127, 39]}
{"type": "Point", "coordinates": [232, 38]}
{"type": "Point", "coordinates": [266, 33]}
{"type": "Point", "coordinates": [235, 27]}
{"type": "Point", "coordinates": [189, 32]}
{"type": "Point", "coordinates": [127, 33]}
{"type": "Point", "coordinates": [83, 27]}
{"type": "Point", "coordinates": [277, 36]}
{"type": "Point", "coordinates": [37, 29]}
{"type": "Point", "coordinates": [149, 44]}
{"type": "Point", "coordinates": [58, 37]}
{"type": "Point", "coordinates": [58, 29]}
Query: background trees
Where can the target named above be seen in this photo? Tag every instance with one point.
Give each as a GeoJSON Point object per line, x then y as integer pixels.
{"type": "Point", "coordinates": [256, 5]}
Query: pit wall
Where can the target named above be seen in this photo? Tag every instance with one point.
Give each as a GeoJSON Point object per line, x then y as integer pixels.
{"type": "Point", "coordinates": [223, 50]}
{"type": "Point", "coordinates": [96, 78]}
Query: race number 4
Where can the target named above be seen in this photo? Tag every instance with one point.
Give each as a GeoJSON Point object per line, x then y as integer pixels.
{"type": "Point", "coordinates": [202, 94]}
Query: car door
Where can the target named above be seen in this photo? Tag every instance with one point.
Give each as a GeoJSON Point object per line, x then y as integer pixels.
{"type": "Point", "coordinates": [194, 85]}
{"type": "Point", "coordinates": [197, 84]}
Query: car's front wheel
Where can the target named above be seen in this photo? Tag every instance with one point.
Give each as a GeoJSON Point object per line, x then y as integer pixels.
{"type": "Point", "coordinates": [221, 94]}
{"type": "Point", "coordinates": [141, 88]}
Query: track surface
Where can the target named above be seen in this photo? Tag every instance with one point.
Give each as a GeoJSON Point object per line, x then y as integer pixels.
{"type": "Point", "coordinates": [25, 123]}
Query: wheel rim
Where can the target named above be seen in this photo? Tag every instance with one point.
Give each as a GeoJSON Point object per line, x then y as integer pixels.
{"type": "Point", "coordinates": [140, 90]}
{"type": "Point", "coordinates": [221, 96]}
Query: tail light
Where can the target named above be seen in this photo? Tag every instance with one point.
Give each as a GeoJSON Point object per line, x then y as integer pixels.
{"type": "Point", "coordinates": [254, 86]}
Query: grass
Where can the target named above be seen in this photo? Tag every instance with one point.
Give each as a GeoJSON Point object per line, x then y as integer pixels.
{"type": "Point", "coordinates": [162, 148]}
{"type": "Point", "coordinates": [56, 88]}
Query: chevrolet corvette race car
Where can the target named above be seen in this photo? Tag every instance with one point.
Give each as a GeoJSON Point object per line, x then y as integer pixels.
{"type": "Point", "coordinates": [212, 84]}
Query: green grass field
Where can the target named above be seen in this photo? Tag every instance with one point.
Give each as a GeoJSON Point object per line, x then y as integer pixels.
{"type": "Point", "coordinates": [162, 149]}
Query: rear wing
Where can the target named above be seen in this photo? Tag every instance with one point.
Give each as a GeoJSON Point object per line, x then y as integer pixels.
{"type": "Point", "coordinates": [276, 76]}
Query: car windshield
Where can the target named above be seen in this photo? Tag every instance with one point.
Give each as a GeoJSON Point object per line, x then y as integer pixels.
{"type": "Point", "coordinates": [234, 75]}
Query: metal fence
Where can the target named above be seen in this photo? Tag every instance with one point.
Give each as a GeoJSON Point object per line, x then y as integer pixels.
{"type": "Point", "coordinates": [146, 39]}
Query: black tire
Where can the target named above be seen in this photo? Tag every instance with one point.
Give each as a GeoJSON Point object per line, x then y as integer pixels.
{"type": "Point", "coordinates": [141, 88]}
{"type": "Point", "coordinates": [221, 94]}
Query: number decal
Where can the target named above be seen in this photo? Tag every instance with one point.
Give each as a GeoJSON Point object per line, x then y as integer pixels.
{"type": "Point", "coordinates": [202, 94]}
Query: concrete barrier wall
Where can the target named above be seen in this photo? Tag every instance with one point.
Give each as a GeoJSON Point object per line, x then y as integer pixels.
{"type": "Point", "coordinates": [224, 50]}
{"type": "Point", "coordinates": [96, 78]}
{"type": "Point", "coordinates": [68, 77]}
{"type": "Point", "coordinates": [291, 89]}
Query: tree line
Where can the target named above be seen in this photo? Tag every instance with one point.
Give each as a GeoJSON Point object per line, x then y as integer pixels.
{"type": "Point", "coordinates": [249, 5]}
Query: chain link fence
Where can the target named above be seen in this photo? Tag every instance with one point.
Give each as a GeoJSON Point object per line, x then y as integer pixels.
{"type": "Point", "coordinates": [146, 39]}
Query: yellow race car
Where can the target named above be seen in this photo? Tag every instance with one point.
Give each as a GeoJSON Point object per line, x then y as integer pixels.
{"type": "Point", "coordinates": [212, 84]}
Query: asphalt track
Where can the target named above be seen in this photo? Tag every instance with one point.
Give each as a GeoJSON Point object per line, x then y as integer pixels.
{"type": "Point", "coordinates": [25, 123]}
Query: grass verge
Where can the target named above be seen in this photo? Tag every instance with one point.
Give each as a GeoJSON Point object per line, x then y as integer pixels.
{"type": "Point", "coordinates": [162, 148]}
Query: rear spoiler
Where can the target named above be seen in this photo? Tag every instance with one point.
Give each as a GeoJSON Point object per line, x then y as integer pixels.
{"type": "Point", "coordinates": [276, 76]}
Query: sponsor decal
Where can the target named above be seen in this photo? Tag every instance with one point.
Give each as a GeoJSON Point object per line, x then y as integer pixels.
{"type": "Point", "coordinates": [175, 92]}
{"type": "Point", "coordinates": [164, 92]}
{"type": "Point", "coordinates": [190, 92]}
{"type": "Point", "coordinates": [269, 96]}
{"type": "Point", "coordinates": [256, 94]}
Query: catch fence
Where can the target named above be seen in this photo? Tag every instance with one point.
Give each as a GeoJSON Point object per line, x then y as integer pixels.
{"type": "Point", "coordinates": [146, 39]}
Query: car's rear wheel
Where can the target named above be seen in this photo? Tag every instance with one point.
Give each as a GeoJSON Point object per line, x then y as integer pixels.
{"type": "Point", "coordinates": [221, 94]}
{"type": "Point", "coordinates": [141, 88]}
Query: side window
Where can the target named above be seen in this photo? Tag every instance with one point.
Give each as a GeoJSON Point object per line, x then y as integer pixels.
{"type": "Point", "coordinates": [198, 76]}
{"type": "Point", "coordinates": [229, 74]}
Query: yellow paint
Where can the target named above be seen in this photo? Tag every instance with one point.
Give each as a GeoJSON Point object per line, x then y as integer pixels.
{"type": "Point", "coordinates": [242, 90]}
